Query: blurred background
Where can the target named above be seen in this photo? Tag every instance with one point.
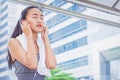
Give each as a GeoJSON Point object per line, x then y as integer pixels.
{"type": "Point", "coordinates": [84, 35]}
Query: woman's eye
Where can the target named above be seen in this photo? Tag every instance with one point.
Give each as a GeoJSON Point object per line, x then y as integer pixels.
{"type": "Point", "coordinates": [34, 17]}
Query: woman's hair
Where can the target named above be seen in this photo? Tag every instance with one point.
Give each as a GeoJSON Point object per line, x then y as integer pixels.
{"type": "Point", "coordinates": [18, 30]}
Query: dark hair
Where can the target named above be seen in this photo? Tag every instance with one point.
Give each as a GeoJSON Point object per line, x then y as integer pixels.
{"type": "Point", "coordinates": [18, 30]}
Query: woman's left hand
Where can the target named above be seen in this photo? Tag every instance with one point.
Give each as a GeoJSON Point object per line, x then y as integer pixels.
{"type": "Point", "coordinates": [44, 33]}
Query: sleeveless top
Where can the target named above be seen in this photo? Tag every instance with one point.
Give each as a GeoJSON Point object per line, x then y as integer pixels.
{"type": "Point", "coordinates": [24, 73]}
{"type": "Point", "coordinates": [42, 69]}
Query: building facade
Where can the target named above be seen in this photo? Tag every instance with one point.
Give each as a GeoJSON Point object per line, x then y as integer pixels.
{"type": "Point", "coordinates": [87, 49]}
{"type": "Point", "coordinates": [3, 40]}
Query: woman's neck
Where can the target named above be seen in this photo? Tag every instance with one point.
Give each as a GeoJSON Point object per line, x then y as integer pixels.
{"type": "Point", "coordinates": [35, 37]}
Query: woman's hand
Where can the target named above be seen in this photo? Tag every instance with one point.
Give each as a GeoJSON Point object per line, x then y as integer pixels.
{"type": "Point", "coordinates": [26, 29]}
{"type": "Point", "coordinates": [50, 58]}
{"type": "Point", "coordinates": [44, 33]}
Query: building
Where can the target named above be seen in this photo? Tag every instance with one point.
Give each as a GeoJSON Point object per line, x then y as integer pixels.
{"type": "Point", "coordinates": [3, 40]}
{"type": "Point", "coordinates": [88, 49]}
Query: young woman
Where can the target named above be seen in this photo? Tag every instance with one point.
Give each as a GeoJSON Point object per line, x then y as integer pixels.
{"type": "Point", "coordinates": [25, 60]}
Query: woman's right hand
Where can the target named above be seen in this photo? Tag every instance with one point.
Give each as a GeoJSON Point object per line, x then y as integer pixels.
{"type": "Point", "coordinates": [26, 29]}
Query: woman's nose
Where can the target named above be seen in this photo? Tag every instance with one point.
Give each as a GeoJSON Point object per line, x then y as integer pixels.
{"type": "Point", "coordinates": [39, 20]}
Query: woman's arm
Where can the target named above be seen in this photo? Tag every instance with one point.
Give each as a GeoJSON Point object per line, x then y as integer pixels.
{"type": "Point", "coordinates": [29, 57]}
{"type": "Point", "coordinates": [50, 58]}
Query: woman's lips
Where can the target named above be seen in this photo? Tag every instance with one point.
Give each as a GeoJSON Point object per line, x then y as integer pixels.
{"type": "Point", "coordinates": [40, 26]}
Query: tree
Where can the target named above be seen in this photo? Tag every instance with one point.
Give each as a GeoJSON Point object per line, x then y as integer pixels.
{"type": "Point", "coordinates": [58, 75]}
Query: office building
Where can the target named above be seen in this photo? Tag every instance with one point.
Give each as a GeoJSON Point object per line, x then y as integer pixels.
{"type": "Point", "coordinates": [88, 49]}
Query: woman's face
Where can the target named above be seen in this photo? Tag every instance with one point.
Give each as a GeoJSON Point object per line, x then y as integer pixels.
{"type": "Point", "coordinates": [35, 19]}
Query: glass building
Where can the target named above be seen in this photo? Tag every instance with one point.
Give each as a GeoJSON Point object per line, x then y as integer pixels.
{"type": "Point", "coordinates": [89, 48]}
{"type": "Point", "coordinates": [3, 40]}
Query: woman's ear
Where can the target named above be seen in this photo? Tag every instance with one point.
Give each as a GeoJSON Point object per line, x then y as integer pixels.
{"type": "Point", "coordinates": [23, 21]}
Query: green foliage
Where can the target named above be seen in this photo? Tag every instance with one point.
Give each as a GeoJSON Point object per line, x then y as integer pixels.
{"type": "Point", "coordinates": [58, 75]}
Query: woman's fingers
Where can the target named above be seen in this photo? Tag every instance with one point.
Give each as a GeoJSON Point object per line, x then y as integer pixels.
{"type": "Point", "coordinates": [26, 28]}
{"type": "Point", "coordinates": [45, 29]}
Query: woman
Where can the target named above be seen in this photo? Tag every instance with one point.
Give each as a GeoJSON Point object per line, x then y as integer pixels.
{"type": "Point", "coordinates": [26, 60]}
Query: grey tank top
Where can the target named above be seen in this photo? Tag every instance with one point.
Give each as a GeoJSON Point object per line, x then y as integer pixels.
{"type": "Point", "coordinates": [22, 72]}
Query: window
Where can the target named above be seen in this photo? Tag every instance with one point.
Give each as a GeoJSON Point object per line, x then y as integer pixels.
{"type": "Point", "coordinates": [79, 62]}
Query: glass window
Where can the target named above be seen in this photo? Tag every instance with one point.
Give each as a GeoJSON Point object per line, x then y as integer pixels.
{"type": "Point", "coordinates": [78, 62]}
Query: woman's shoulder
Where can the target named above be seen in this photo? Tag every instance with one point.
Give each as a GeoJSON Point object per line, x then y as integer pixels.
{"type": "Point", "coordinates": [13, 41]}
{"type": "Point", "coordinates": [12, 44]}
